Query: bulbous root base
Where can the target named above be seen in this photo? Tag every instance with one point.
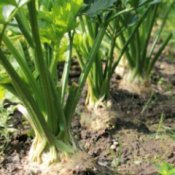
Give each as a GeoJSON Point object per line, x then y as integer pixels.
{"type": "Point", "coordinates": [41, 153]}
{"type": "Point", "coordinates": [136, 86]}
{"type": "Point", "coordinates": [78, 163]}
{"type": "Point", "coordinates": [68, 165]}
{"type": "Point", "coordinates": [99, 116]}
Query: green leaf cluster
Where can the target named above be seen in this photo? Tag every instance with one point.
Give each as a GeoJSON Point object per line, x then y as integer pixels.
{"type": "Point", "coordinates": [59, 19]}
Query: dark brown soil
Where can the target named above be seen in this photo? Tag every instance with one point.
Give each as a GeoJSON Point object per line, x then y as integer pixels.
{"type": "Point", "coordinates": [139, 141]}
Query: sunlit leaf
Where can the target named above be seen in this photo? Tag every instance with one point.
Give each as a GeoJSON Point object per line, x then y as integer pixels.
{"type": "Point", "coordinates": [55, 23]}
{"type": "Point", "coordinates": [2, 92]}
{"type": "Point", "coordinates": [7, 11]}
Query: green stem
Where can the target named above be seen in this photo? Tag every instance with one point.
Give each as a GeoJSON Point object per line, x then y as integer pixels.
{"type": "Point", "coordinates": [128, 41]}
{"type": "Point", "coordinates": [66, 71]}
{"type": "Point", "coordinates": [85, 71]}
{"type": "Point", "coordinates": [43, 71]}
{"type": "Point", "coordinates": [25, 95]}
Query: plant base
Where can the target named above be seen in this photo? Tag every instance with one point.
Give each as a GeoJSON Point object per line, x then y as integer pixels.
{"type": "Point", "coordinates": [100, 117]}
{"type": "Point", "coordinates": [136, 86]}
{"type": "Point", "coordinates": [78, 163]}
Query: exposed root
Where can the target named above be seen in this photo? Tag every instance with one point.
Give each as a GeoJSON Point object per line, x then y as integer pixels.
{"type": "Point", "coordinates": [78, 163]}
{"type": "Point", "coordinates": [40, 153]}
{"type": "Point", "coordinates": [100, 117]}
{"type": "Point", "coordinates": [40, 159]}
{"type": "Point", "coordinates": [136, 85]}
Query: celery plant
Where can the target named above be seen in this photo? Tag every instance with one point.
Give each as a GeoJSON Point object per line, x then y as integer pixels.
{"type": "Point", "coordinates": [46, 102]}
{"type": "Point", "coordinates": [141, 54]}
{"type": "Point", "coordinates": [98, 81]}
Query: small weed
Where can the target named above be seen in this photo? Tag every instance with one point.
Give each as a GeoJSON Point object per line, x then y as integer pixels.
{"type": "Point", "coordinates": [148, 103]}
{"type": "Point", "coordinates": [5, 127]}
{"type": "Point", "coordinates": [166, 169]}
{"type": "Point", "coordinates": [117, 156]}
{"type": "Point", "coordinates": [160, 126]}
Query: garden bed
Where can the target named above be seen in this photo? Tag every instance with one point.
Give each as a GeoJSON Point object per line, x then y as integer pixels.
{"type": "Point", "coordinates": [139, 141]}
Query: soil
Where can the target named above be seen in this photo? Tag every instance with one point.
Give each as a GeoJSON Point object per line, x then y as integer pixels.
{"type": "Point", "coordinates": [139, 141]}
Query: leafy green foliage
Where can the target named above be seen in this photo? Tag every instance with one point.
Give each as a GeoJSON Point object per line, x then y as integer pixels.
{"type": "Point", "coordinates": [54, 23]}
